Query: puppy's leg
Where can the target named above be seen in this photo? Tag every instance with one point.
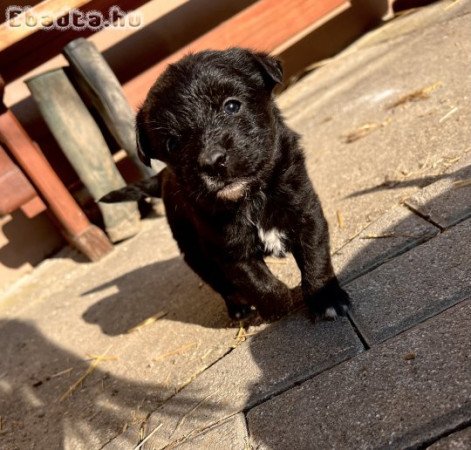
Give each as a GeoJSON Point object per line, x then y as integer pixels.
{"type": "Point", "coordinates": [321, 290]}
{"type": "Point", "coordinates": [243, 284]}
{"type": "Point", "coordinates": [237, 306]}
{"type": "Point", "coordinates": [240, 283]}
{"type": "Point", "coordinates": [255, 283]}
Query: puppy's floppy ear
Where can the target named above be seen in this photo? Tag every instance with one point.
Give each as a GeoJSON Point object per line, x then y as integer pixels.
{"type": "Point", "coordinates": [143, 146]}
{"type": "Point", "coordinates": [271, 68]}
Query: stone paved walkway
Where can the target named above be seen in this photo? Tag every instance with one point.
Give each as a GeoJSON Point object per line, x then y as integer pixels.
{"type": "Point", "coordinates": [135, 350]}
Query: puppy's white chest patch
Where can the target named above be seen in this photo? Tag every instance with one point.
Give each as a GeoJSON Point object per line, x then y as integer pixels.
{"type": "Point", "coordinates": [272, 241]}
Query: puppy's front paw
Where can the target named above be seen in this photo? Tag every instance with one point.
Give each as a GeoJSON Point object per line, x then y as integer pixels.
{"type": "Point", "coordinates": [238, 311]}
{"type": "Point", "coordinates": [329, 302]}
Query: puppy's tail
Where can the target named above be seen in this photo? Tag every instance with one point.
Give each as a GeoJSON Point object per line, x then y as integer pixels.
{"type": "Point", "coordinates": [150, 187]}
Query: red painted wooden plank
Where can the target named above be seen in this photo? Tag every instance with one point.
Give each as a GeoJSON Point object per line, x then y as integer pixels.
{"type": "Point", "coordinates": [15, 189]}
{"type": "Point", "coordinates": [40, 172]}
{"type": "Point", "coordinates": [34, 207]}
{"type": "Point", "coordinates": [264, 26]}
{"type": "Point", "coordinates": [86, 237]}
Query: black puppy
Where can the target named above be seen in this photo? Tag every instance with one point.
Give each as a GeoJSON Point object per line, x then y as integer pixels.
{"type": "Point", "coordinates": [235, 187]}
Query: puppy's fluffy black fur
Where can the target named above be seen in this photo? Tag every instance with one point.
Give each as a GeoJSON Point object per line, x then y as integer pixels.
{"type": "Point", "coordinates": [235, 187]}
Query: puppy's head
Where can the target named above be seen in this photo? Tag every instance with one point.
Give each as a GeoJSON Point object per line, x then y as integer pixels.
{"type": "Point", "coordinates": [211, 118]}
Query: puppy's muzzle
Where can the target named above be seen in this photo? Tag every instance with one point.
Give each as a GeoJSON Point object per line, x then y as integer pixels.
{"type": "Point", "coordinates": [213, 161]}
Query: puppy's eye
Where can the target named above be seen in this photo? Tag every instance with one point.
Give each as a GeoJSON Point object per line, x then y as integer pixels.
{"type": "Point", "coordinates": [232, 106]}
{"type": "Point", "coordinates": [172, 144]}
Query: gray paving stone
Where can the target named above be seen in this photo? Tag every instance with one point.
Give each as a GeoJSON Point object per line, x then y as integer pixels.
{"type": "Point", "coordinates": [281, 355]}
{"type": "Point", "coordinates": [460, 440]}
{"type": "Point", "coordinates": [414, 286]}
{"type": "Point", "coordinates": [392, 234]}
{"type": "Point", "coordinates": [448, 201]}
{"type": "Point", "coordinates": [407, 391]}
{"type": "Point", "coordinates": [229, 435]}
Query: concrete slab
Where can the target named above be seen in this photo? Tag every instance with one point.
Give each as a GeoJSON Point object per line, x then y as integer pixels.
{"type": "Point", "coordinates": [414, 21]}
{"type": "Point", "coordinates": [461, 440]}
{"type": "Point", "coordinates": [230, 435]}
{"type": "Point", "coordinates": [413, 286]}
{"type": "Point", "coordinates": [448, 201]}
{"type": "Point", "coordinates": [409, 390]}
{"type": "Point", "coordinates": [52, 329]}
{"type": "Point", "coordinates": [393, 233]}
{"type": "Point", "coordinates": [278, 357]}
{"type": "Point", "coordinates": [364, 155]}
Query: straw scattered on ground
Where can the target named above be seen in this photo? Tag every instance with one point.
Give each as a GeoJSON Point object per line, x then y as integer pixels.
{"type": "Point", "coordinates": [138, 446]}
{"type": "Point", "coordinates": [62, 372]}
{"type": "Point", "coordinates": [340, 221]}
{"type": "Point", "coordinates": [361, 132]}
{"type": "Point", "coordinates": [388, 235]}
{"type": "Point", "coordinates": [90, 369]}
{"type": "Point", "coordinates": [177, 351]}
{"type": "Point", "coordinates": [448, 114]}
{"type": "Point", "coordinates": [462, 183]}
{"type": "Point", "coordinates": [364, 130]}
{"type": "Point", "coordinates": [432, 164]}
{"type": "Point", "coordinates": [241, 335]}
{"type": "Point", "coordinates": [451, 4]}
{"type": "Point", "coordinates": [150, 320]}
{"type": "Point", "coordinates": [415, 96]}
{"type": "Point", "coordinates": [184, 417]}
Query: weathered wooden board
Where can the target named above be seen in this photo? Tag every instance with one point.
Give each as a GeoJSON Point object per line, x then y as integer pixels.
{"type": "Point", "coordinates": [267, 25]}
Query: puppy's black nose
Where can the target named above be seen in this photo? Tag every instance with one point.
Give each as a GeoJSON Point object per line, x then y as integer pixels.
{"type": "Point", "coordinates": [213, 161]}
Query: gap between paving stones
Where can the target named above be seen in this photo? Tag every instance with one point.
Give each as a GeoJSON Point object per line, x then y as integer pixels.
{"type": "Point", "coordinates": [387, 253]}
{"type": "Point", "coordinates": [425, 428]}
{"type": "Point", "coordinates": [245, 411]}
{"type": "Point", "coordinates": [426, 218]}
{"type": "Point", "coordinates": [430, 444]}
{"type": "Point", "coordinates": [201, 432]}
{"type": "Point", "coordinates": [228, 354]}
{"type": "Point", "coordinates": [442, 199]}
{"type": "Point", "coordinates": [361, 336]}
{"type": "Point", "coordinates": [415, 286]}
{"type": "Point", "coordinates": [426, 443]}
{"type": "Point", "coordinates": [454, 209]}
{"type": "Point", "coordinates": [423, 445]}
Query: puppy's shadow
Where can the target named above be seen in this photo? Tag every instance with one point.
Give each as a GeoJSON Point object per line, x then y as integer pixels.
{"type": "Point", "coordinates": [167, 286]}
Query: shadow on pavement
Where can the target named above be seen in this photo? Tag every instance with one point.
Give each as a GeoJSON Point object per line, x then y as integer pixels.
{"type": "Point", "coordinates": [413, 182]}
{"type": "Point", "coordinates": [168, 286]}
{"type": "Point", "coordinates": [34, 376]}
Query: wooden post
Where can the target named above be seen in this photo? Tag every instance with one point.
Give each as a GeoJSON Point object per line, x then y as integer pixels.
{"type": "Point", "coordinates": [78, 230]}
{"type": "Point", "coordinates": [94, 80]}
{"type": "Point", "coordinates": [82, 142]}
